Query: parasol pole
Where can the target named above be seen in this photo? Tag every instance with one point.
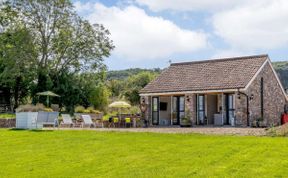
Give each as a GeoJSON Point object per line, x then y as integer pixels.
{"type": "Point", "coordinates": [47, 100]}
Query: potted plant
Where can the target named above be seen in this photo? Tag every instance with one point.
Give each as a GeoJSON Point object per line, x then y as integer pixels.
{"type": "Point", "coordinates": [185, 122]}
{"type": "Point", "coordinates": [254, 123]}
{"type": "Point", "coordinates": [259, 122]}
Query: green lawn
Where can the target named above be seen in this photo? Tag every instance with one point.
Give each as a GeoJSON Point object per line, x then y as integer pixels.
{"type": "Point", "coordinates": [118, 154]}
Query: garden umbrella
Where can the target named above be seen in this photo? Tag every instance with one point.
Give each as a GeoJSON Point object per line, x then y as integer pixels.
{"type": "Point", "coordinates": [119, 105]}
{"type": "Point", "coordinates": [48, 94]}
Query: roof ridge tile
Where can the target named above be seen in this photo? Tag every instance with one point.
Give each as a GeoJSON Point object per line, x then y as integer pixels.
{"type": "Point", "coordinates": [220, 59]}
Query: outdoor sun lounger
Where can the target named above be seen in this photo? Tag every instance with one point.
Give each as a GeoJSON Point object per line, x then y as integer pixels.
{"type": "Point", "coordinates": [67, 120]}
{"type": "Point", "coordinates": [87, 121]}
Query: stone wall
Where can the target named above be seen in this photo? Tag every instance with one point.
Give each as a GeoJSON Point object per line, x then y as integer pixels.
{"type": "Point", "coordinates": [274, 100]}
{"type": "Point", "coordinates": [7, 123]}
{"type": "Point", "coordinates": [190, 107]}
{"type": "Point", "coordinates": [147, 114]}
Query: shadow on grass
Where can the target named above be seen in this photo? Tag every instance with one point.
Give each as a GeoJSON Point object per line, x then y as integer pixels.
{"type": "Point", "coordinates": [32, 130]}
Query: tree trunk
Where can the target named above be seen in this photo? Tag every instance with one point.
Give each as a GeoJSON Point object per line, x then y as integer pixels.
{"type": "Point", "coordinates": [16, 92]}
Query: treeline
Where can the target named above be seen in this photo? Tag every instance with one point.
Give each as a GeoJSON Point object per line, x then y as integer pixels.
{"type": "Point", "coordinates": [124, 74]}
{"type": "Point", "coordinates": [126, 84]}
{"type": "Point", "coordinates": [282, 71]}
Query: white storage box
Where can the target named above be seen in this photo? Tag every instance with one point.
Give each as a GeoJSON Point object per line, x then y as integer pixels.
{"type": "Point", "coordinates": [27, 120]}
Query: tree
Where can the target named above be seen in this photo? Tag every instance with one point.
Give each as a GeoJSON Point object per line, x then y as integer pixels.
{"type": "Point", "coordinates": [64, 41]}
{"type": "Point", "coordinates": [135, 83]}
{"type": "Point", "coordinates": [116, 87]}
{"type": "Point", "coordinates": [17, 58]}
{"type": "Point", "coordinates": [52, 49]}
{"type": "Point", "coordinates": [99, 96]}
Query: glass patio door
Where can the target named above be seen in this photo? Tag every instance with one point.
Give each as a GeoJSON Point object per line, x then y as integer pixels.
{"type": "Point", "coordinates": [201, 109]}
{"type": "Point", "coordinates": [178, 109]}
{"type": "Point", "coordinates": [230, 108]}
{"type": "Point", "coordinates": [155, 110]}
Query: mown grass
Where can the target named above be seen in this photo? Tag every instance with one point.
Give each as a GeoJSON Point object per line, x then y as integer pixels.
{"type": "Point", "coordinates": [118, 154]}
{"type": "Point", "coordinates": [7, 116]}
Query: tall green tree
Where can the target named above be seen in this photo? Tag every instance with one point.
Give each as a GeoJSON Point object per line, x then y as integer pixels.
{"type": "Point", "coordinates": [59, 49]}
{"type": "Point", "coordinates": [99, 96]}
{"type": "Point", "coordinates": [64, 41]}
{"type": "Point", "coordinates": [17, 61]}
{"type": "Point", "coordinates": [116, 88]}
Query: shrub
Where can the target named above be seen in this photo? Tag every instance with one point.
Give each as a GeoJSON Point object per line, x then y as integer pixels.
{"type": "Point", "coordinates": [90, 108]}
{"type": "Point", "coordinates": [95, 111]}
{"type": "Point", "coordinates": [55, 107]}
{"type": "Point", "coordinates": [106, 117]}
{"type": "Point", "coordinates": [134, 110]}
{"type": "Point", "coordinates": [30, 108]}
{"type": "Point", "coordinates": [280, 131]}
{"type": "Point", "coordinates": [79, 109]}
{"type": "Point", "coordinates": [63, 109]}
{"type": "Point", "coordinates": [86, 111]}
{"type": "Point", "coordinates": [40, 106]}
{"type": "Point", "coordinates": [48, 110]}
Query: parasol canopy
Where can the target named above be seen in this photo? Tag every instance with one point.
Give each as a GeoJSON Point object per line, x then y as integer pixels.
{"type": "Point", "coordinates": [48, 94]}
{"type": "Point", "coordinates": [119, 104]}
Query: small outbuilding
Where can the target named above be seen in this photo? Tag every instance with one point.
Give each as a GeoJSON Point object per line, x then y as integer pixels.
{"type": "Point", "coordinates": [239, 91]}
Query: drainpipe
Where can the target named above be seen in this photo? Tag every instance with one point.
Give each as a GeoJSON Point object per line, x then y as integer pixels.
{"type": "Point", "coordinates": [247, 102]}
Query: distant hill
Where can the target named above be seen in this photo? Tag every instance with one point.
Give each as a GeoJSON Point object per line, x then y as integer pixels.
{"type": "Point", "coordinates": [280, 67]}
{"type": "Point", "coordinates": [282, 71]}
{"type": "Point", "coordinates": [123, 74]}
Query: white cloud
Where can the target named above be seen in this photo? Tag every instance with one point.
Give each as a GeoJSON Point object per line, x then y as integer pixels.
{"type": "Point", "coordinates": [82, 7]}
{"type": "Point", "coordinates": [247, 26]}
{"type": "Point", "coordinates": [191, 5]}
{"type": "Point", "coordinates": [137, 35]}
{"type": "Point", "coordinates": [243, 24]}
{"type": "Point", "coordinates": [223, 53]}
{"type": "Point", "coordinates": [259, 25]}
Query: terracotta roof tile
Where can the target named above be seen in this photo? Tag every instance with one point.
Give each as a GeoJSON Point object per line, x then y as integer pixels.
{"type": "Point", "coordinates": [227, 73]}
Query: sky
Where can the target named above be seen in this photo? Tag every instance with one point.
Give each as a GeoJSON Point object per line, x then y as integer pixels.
{"type": "Point", "coordinates": [152, 33]}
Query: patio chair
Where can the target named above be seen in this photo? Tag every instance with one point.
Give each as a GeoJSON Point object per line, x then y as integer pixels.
{"type": "Point", "coordinates": [98, 118]}
{"type": "Point", "coordinates": [67, 120]}
{"type": "Point", "coordinates": [52, 119]}
{"type": "Point", "coordinates": [116, 122]}
{"type": "Point", "coordinates": [99, 123]}
{"type": "Point", "coordinates": [87, 120]}
{"type": "Point", "coordinates": [110, 122]}
{"type": "Point", "coordinates": [41, 118]}
{"type": "Point", "coordinates": [48, 118]}
{"type": "Point", "coordinates": [128, 121]}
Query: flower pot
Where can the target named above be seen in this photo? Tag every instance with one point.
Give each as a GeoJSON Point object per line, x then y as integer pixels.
{"type": "Point", "coordinates": [185, 123]}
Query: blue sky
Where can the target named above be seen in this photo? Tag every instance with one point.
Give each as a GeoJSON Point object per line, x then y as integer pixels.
{"type": "Point", "coordinates": [149, 33]}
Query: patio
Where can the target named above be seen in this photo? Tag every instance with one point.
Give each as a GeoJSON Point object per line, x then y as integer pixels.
{"type": "Point", "coordinates": [209, 130]}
